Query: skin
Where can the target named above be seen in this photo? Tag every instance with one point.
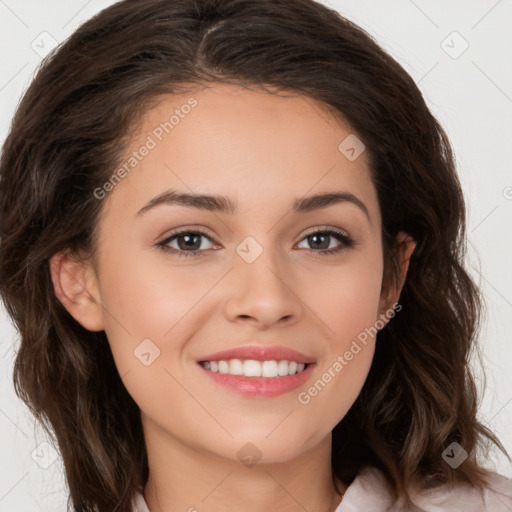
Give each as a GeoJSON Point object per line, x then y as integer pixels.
{"type": "Point", "coordinates": [262, 151]}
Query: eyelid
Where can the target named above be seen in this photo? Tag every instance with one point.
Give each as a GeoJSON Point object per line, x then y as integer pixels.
{"type": "Point", "coordinates": [325, 228]}
{"type": "Point", "coordinates": [186, 229]}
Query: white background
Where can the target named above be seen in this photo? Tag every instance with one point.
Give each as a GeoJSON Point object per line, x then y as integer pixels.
{"type": "Point", "coordinates": [470, 93]}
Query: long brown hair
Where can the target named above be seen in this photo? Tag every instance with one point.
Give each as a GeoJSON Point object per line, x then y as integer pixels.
{"type": "Point", "coordinates": [67, 138]}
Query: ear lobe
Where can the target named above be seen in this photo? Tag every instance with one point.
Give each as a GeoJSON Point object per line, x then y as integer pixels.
{"type": "Point", "coordinates": [76, 288]}
{"type": "Point", "coordinates": [405, 247]}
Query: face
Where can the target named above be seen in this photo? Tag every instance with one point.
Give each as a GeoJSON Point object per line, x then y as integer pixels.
{"type": "Point", "coordinates": [267, 268]}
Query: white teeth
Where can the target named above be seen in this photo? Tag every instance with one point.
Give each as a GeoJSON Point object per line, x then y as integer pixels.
{"type": "Point", "coordinates": [236, 367]}
{"type": "Point", "coordinates": [253, 368]}
{"type": "Point", "coordinates": [269, 369]}
{"type": "Point", "coordinates": [282, 368]}
{"type": "Point", "coordinates": [223, 367]}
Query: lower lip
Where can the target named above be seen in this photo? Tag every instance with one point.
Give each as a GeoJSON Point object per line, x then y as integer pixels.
{"type": "Point", "coordinates": [260, 386]}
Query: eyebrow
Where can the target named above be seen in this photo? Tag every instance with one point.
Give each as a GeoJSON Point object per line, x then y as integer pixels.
{"type": "Point", "coordinates": [222, 204]}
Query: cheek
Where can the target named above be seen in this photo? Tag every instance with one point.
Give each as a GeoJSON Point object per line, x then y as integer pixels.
{"type": "Point", "coordinates": [148, 301]}
{"type": "Point", "coordinates": [347, 297]}
{"type": "Point", "coordinates": [347, 302]}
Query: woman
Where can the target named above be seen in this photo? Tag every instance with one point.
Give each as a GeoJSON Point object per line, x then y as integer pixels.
{"type": "Point", "coordinates": [310, 351]}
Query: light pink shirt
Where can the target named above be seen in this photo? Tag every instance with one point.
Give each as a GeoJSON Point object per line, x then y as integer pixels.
{"type": "Point", "coordinates": [369, 492]}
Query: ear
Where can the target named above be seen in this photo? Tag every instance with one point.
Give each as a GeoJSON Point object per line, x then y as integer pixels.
{"type": "Point", "coordinates": [391, 291]}
{"type": "Point", "coordinates": [76, 287]}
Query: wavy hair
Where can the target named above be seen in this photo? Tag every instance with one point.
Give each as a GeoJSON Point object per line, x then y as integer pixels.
{"type": "Point", "coordinates": [68, 135]}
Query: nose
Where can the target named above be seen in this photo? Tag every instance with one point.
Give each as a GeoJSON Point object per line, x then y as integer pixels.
{"type": "Point", "coordinates": [262, 293]}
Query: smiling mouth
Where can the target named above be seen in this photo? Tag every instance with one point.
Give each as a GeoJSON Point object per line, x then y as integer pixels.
{"type": "Point", "coordinates": [253, 368]}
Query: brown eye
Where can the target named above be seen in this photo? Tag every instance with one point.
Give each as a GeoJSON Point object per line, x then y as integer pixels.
{"type": "Point", "coordinates": [320, 241]}
{"type": "Point", "coordinates": [189, 243]}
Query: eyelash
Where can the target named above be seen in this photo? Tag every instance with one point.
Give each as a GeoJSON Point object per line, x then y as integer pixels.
{"type": "Point", "coordinates": [346, 242]}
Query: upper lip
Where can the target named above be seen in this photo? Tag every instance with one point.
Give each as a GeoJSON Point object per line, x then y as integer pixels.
{"type": "Point", "coordinates": [259, 353]}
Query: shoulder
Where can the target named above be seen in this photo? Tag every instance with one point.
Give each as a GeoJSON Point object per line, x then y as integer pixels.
{"type": "Point", "coordinates": [370, 491]}
{"type": "Point", "coordinates": [495, 497]}
{"type": "Point", "coordinates": [139, 504]}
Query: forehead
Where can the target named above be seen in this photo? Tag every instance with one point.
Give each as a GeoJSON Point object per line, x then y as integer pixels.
{"type": "Point", "coordinates": [251, 145]}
